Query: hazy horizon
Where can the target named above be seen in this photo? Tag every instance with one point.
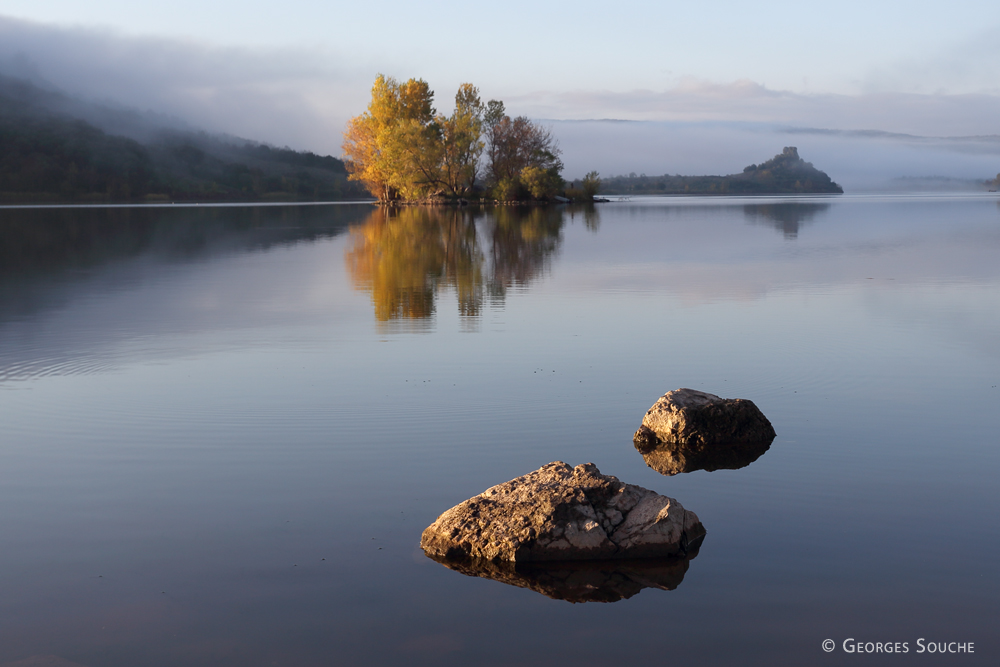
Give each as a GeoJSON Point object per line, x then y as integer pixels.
{"type": "Point", "coordinates": [883, 113]}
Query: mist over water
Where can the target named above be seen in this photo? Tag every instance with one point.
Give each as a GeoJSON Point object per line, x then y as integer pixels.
{"type": "Point", "coordinates": [858, 161]}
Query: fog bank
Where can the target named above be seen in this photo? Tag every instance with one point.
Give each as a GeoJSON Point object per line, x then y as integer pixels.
{"type": "Point", "coordinates": [298, 98]}
{"type": "Point", "coordinates": [858, 161]}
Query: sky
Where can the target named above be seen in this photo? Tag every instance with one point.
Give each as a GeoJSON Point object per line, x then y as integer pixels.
{"type": "Point", "coordinates": [292, 73]}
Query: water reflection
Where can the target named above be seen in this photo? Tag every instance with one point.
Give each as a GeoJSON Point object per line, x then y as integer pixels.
{"type": "Point", "coordinates": [37, 241]}
{"type": "Point", "coordinates": [590, 214]}
{"type": "Point", "coordinates": [77, 284]}
{"type": "Point", "coordinates": [42, 250]}
{"type": "Point", "coordinates": [405, 257]}
{"type": "Point", "coordinates": [581, 581]}
{"type": "Point", "coordinates": [673, 458]}
{"type": "Point", "coordinates": [786, 217]}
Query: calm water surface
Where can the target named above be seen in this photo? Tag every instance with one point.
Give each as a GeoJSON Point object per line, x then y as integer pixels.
{"type": "Point", "coordinates": [224, 428]}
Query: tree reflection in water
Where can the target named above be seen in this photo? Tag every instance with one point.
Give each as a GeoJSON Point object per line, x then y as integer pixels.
{"type": "Point", "coordinates": [404, 256]}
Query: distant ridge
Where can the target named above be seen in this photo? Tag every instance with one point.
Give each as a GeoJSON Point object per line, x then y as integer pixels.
{"type": "Point", "coordinates": [54, 148]}
{"type": "Point", "coordinates": [785, 173]}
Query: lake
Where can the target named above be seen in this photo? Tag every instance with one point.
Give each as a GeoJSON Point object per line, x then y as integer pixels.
{"type": "Point", "coordinates": [225, 427]}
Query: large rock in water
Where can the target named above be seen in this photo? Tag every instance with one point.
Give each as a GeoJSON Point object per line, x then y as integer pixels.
{"type": "Point", "coordinates": [563, 513]}
{"type": "Point", "coordinates": [694, 418]}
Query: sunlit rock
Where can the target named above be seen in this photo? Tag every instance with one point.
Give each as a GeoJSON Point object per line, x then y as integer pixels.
{"type": "Point", "coordinates": [581, 580]}
{"type": "Point", "coordinates": [561, 513]}
{"type": "Point", "coordinates": [688, 430]}
{"type": "Point", "coordinates": [695, 418]}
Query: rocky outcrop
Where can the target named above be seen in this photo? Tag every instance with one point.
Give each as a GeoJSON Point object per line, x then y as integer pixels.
{"type": "Point", "coordinates": [695, 418]}
{"type": "Point", "coordinates": [558, 513]}
{"type": "Point", "coordinates": [581, 580]}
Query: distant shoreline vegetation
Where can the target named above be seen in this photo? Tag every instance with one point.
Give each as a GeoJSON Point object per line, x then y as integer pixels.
{"type": "Point", "coordinates": [404, 151]}
{"type": "Point", "coordinates": [48, 155]}
{"type": "Point", "coordinates": [785, 173]}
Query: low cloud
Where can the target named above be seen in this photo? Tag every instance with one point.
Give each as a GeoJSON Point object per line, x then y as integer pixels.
{"type": "Point", "coordinates": [865, 141]}
{"type": "Point", "coordinates": [857, 160]}
{"type": "Point", "coordinates": [691, 100]}
{"type": "Point", "coordinates": [282, 96]}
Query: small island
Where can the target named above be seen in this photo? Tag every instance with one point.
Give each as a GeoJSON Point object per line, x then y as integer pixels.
{"type": "Point", "coordinates": [785, 173]}
{"type": "Point", "coordinates": [405, 152]}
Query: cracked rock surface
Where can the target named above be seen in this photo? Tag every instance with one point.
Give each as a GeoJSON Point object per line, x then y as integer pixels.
{"type": "Point", "coordinates": [559, 512]}
{"type": "Point", "coordinates": [697, 419]}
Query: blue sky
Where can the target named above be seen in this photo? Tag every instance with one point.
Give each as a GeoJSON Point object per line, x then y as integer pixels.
{"type": "Point", "coordinates": [293, 72]}
{"type": "Point", "coordinates": [844, 47]}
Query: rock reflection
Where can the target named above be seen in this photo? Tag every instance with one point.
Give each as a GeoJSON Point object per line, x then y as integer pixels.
{"type": "Point", "coordinates": [581, 581]}
{"type": "Point", "coordinates": [673, 458]}
{"type": "Point", "coordinates": [786, 217]}
{"type": "Point", "coordinates": [405, 257]}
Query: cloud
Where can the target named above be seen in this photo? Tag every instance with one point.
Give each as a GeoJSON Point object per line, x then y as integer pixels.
{"type": "Point", "coordinates": [284, 96]}
{"type": "Point", "coordinates": [746, 101]}
{"type": "Point", "coordinates": [967, 66]}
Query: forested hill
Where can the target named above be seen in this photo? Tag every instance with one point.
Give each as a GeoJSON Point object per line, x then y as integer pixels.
{"type": "Point", "coordinates": [57, 149]}
{"type": "Point", "coordinates": [785, 173]}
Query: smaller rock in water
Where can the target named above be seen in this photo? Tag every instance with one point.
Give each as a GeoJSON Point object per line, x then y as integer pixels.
{"type": "Point", "coordinates": [559, 512]}
{"type": "Point", "coordinates": [695, 418]}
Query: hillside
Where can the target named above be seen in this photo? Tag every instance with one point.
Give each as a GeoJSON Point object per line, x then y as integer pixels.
{"type": "Point", "coordinates": [785, 173]}
{"type": "Point", "coordinates": [55, 148]}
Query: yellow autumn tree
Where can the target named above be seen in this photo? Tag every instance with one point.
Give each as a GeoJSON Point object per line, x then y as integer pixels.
{"type": "Point", "coordinates": [400, 148]}
{"type": "Point", "coordinates": [390, 148]}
